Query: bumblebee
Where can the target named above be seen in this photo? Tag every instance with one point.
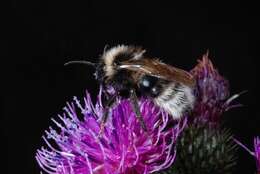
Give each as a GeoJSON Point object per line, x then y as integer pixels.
{"type": "Point", "coordinates": [132, 75]}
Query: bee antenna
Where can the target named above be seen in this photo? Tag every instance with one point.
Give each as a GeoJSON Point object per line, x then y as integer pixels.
{"type": "Point", "coordinates": [80, 62]}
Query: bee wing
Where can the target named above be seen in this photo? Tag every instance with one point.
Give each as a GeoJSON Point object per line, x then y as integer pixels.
{"type": "Point", "coordinates": [160, 70]}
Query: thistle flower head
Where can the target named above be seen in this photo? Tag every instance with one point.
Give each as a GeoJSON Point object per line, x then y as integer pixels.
{"type": "Point", "coordinates": [257, 152]}
{"type": "Point", "coordinates": [123, 148]}
{"type": "Point", "coordinates": [213, 93]}
{"type": "Point", "coordinates": [203, 150]}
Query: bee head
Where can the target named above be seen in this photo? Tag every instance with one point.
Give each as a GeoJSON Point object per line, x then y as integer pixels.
{"type": "Point", "coordinates": [107, 67]}
{"type": "Point", "coordinates": [115, 56]}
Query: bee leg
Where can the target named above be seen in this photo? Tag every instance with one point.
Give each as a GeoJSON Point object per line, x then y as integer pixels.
{"type": "Point", "coordinates": [107, 105]}
{"type": "Point", "coordinates": [136, 109]}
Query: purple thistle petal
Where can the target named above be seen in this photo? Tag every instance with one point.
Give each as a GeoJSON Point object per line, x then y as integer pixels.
{"type": "Point", "coordinates": [123, 148]}
{"type": "Point", "coordinates": [257, 152]}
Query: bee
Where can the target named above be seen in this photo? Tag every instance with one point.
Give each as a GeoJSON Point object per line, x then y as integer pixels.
{"type": "Point", "coordinates": [133, 75]}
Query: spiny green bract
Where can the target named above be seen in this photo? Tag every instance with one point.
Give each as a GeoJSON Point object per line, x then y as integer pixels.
{"type": "Point", "coordinates": [204, 150]}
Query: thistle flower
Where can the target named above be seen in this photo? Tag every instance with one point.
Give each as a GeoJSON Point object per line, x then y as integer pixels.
{"type": "Point", "coordinates": [123, 148]}
{"type": "Point", "coordinates": [213, 96]}
{"type": "Point", "coordinates": [204, 147]}
{"type": "Point", "coordinates": [255, 153]}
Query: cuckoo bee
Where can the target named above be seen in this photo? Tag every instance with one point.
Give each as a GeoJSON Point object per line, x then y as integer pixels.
{"type": "Point", "coordinates": [132, 75]}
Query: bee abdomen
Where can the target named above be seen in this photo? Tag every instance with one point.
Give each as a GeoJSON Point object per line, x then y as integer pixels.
{"type": "Point", "coordinates": [176, 99]}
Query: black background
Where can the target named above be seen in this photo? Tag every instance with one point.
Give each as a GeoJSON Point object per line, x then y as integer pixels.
{"type": "Point", "coordinates": [42, 35]}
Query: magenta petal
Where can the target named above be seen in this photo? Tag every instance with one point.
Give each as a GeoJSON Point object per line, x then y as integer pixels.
{"type": "Point", "coordinates": [123, 148]}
